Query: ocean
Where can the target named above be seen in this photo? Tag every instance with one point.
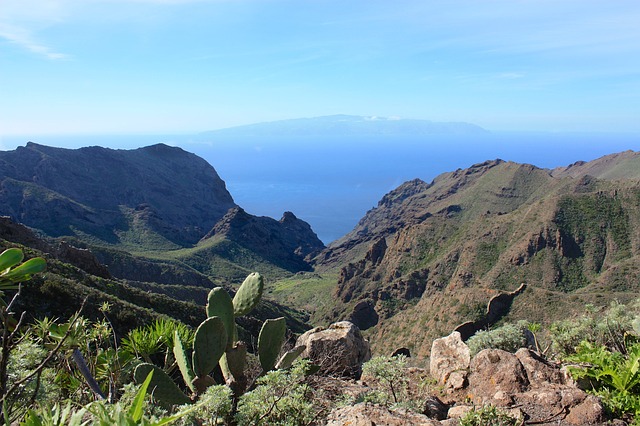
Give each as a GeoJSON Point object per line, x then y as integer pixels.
{"type": "Point", "coordinates": [331, 182]}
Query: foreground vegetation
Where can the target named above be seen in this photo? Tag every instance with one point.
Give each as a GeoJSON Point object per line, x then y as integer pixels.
{"type": "Point", "coordinates": [77, 371]}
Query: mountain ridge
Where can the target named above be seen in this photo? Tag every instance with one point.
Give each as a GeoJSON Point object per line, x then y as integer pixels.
{"type": "Point", "coordinates": [419, 263]}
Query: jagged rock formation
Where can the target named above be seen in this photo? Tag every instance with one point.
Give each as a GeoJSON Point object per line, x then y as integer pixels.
{"type": "Point", "coordinates": [431, 255]}
{"type": "Point", "coordinates": [287, 242]}
{"type": "Point", "coordinates": [497, 308]}
{"type": "Point", "coordinates": [158, 198]}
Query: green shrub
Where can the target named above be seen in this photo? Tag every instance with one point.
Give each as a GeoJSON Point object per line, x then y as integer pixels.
{"type": "Point", "coordinates": [488, 415]}
{"type": "Point", "coordinates": [390, 375]}
{"type": "Point", "coordinates": [610, 327]}
{"type": "Point", "coordinates": [509, 337]}
{"type": "Point", "coordinates": [282, 397]}
{"type": "Point", "coordinates": [213, 406]}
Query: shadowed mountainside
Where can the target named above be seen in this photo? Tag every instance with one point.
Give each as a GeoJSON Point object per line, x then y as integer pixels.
{"type": "Point", "coordinates": [157, 214]}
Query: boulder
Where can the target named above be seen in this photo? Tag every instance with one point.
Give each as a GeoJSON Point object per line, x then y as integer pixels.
{"type": "Point", "coordinates": [339, 349]}
{"type": "Point", "coordinates": [363, 414]}
{"type": "Point", "coordinates": [494, 370]}
{"type": "Point", "coordinates": [589, 412]}
{"type": "Point", "coordinates": [450, 355]}
{"type": "Point", "coordinates": [539, 371]}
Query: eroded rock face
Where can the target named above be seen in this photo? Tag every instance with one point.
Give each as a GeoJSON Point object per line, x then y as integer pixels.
{"type": "Point", "coordinates": [339, 349]}
{"type": "Point", "coordinates": [449, 363]}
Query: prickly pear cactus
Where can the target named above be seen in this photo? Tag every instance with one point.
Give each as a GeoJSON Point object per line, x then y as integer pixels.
{"type": "Point", "coordinates": [162, 386]}
{"type": "Point", "coordinates": [219, 304]}
{"type": "Point", "coordinates": [209, 344]}
{"type": "Point", "coordinates": [270, 340]}
{"type": "Point", "coordinates": [248, 294]}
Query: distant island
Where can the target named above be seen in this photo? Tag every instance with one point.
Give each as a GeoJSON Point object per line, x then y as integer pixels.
{"type": "Point", "coordinates": [350, 125]}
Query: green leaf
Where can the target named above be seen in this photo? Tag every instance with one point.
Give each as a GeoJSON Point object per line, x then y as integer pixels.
{"type": "Point", "coordinates": [24, 271]}
{"type": "Point", "coordinates": [183, 361]}
{"type": "Point", "coordinates": [9, 258]}
{"type": "Point", "coordinates": [137, 407]}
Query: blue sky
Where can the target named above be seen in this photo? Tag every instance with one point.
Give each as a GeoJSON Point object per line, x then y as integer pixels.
{"type": "Point", "coordinates": [181, 66]}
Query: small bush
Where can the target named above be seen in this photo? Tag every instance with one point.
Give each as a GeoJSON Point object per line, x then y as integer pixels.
{"type": "Point", "coordinates": [610, 328]}
{"type": "Point", "coordinates": [389, 373]}
{"type": "Point", "coordinates": [282, 397]}
{"type": "Point", "coordinates": [509, 337]}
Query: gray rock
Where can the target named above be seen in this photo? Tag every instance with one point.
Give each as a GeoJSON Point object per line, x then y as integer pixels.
{"type": "Point", "coordinates": [367, 414]}
{"type": "Point", "coordinates": [338, 350]}
{"type": "Point", "coordinates": [448, 355]}
{"type": "Point", "coordinates": [494, 370]}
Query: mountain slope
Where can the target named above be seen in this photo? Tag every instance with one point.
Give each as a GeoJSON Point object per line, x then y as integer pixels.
{"type": "Point", "coordinates": [145, 211]}
{"type": "Point", "coordinates": [152, 195]}
{"type": "Point", "coordinates": [430, 256]}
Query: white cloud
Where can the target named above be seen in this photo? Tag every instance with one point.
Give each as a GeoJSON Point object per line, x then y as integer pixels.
{"type": "Point", "coordinates": [23, 38]}
{"type": "Point", "coordinates": [21, 20]}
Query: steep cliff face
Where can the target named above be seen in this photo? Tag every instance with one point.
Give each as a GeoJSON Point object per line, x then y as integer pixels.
{"type": "Point", "coordinates": [157, 195]}
{"type": "Point", "coordinates": [428, 255]}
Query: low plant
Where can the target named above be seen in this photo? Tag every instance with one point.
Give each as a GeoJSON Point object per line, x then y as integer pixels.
{"type": "Point", "coordinates": [509, 337]}
{"type": "Point", "coordinates": [610, 327]}
{"type": "Point", "coordinates": [489, 415]}
{"type": "Point", "coordinates": [391, 378]}
{"type": "Point", "coordinates": [614, 376]}
{"type": "Point", "coordinates": [282, 397]}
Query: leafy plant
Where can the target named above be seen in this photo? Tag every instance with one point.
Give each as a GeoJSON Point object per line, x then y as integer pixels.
{"type": "Point", "coordinates": [389, 373]}
{"type": "Point", "coordinates": [611, 328]}
{"type": "Point", "coordinates": [11, 274]}
{"type": "Point", "coordinates": [614, 376]}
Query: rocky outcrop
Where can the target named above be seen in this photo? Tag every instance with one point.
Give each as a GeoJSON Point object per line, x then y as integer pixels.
{"type": "Point", "coordinates": [497, 308]}
{"type": "Point", "coordinates": [524, 384]}
{"type": "Point", "coordinates": [287, 242]}
{"type": "Point", "coordinates": [449, 361]}
{"type": "Point", "coordinates": [368, 414]}
{"type": "Point", "coordinates": [339, 349]}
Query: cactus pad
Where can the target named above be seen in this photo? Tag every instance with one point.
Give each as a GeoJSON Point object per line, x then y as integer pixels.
{"type": "Point", "coordinates": [270, 342]}
{"type": "Point", "coordinates": [161, 387]}
{"type": "Point", "coordinates": [219, 304]}
{"type": "Point", "coordinates": [248, 294]}
{"type": "Point", "coordinates": [209, 344]}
